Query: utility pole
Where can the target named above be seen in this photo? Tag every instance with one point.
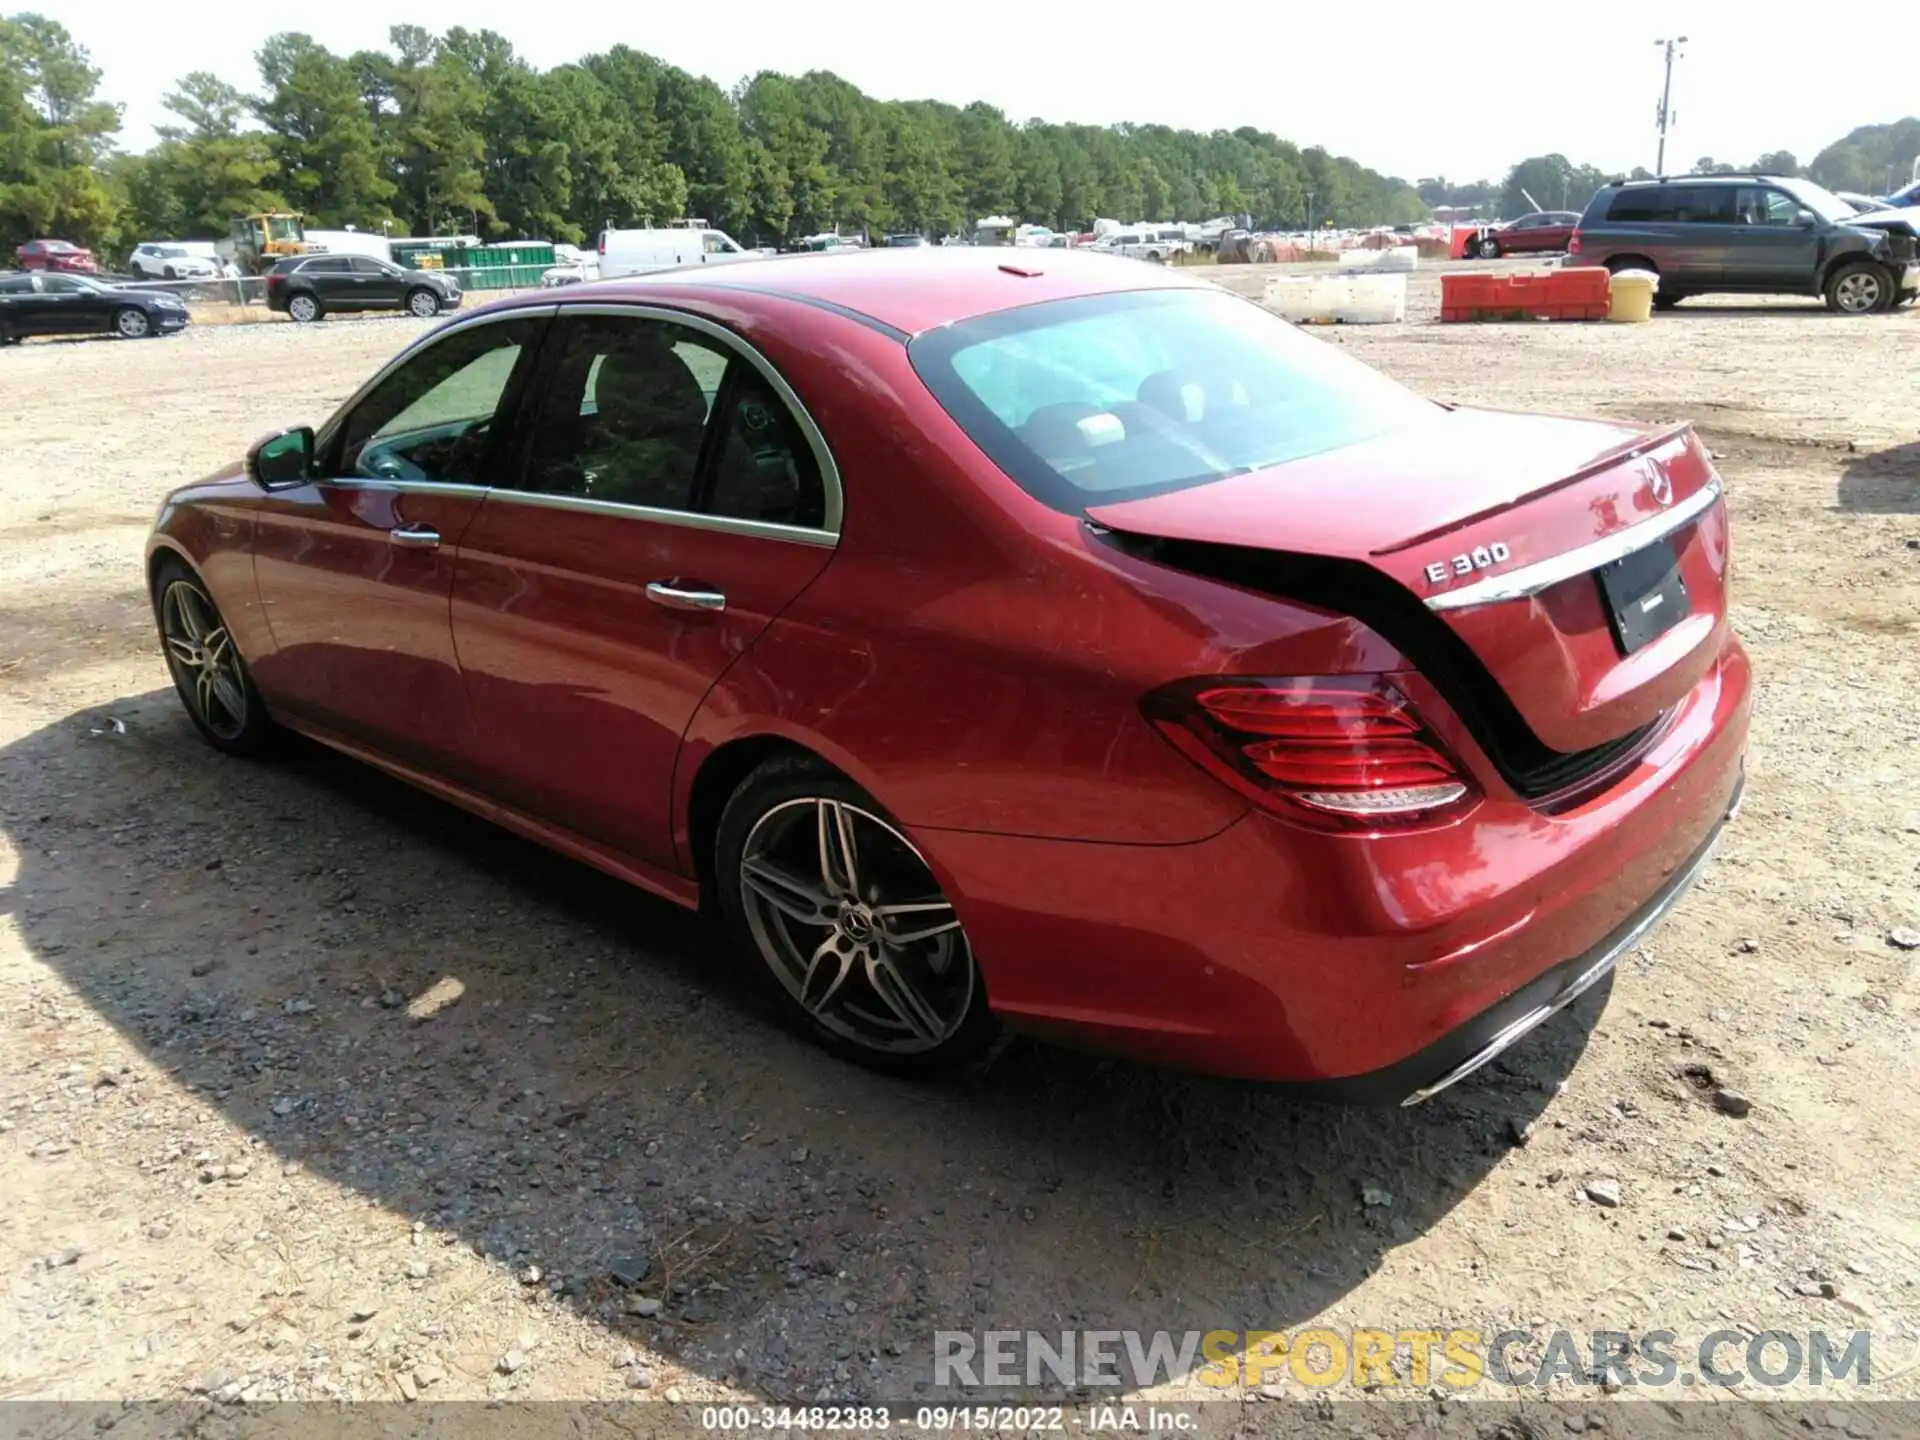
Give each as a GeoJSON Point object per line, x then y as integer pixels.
{"type": "Point", "coordinates": [1664, 115]}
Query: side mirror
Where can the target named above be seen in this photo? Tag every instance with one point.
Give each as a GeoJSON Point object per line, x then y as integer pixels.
{"type": "Point", "coordinates": [283, 459]}
{"type": "Point", "coordinates": [1805, 219]}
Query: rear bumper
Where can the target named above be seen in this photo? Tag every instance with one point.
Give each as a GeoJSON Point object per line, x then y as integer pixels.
{"type": "Point", "coordinates": [1483, 1039]}
{"type": "Point", "coordinates": [1365, 967]}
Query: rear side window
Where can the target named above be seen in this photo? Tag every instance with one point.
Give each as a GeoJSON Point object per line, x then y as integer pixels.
{"type": "Point", "coordinates": [1673, 205]}
{"type": "Point", "coordinates": [624, 414]}
{"type": "Point", "coordinates": [764, 469]}
{"type": "Point", "coordinates": [1115, 397]}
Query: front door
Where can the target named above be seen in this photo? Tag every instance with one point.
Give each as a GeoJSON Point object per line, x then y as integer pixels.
{"type": "Point", "coordinates": [1771, 247]}
{"type": "Point", "coordinates": [376, 286]}
{"type": "Point", "coordinates": [354, 569]}
{"type": "Point", "coordinates": [70, 306]}
{"type": "Point", "coordinates": [670, 507]}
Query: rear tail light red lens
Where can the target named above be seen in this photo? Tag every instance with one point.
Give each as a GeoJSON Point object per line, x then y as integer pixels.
{"type": "Point", "coordinates": [1573, 243]}
{"type": "Point", "coordinates": [1346, 751]}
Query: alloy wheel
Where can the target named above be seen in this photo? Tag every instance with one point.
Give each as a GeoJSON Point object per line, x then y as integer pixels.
{"type": "Point", "coordinates": [205, 665]}
{"type": "Point", "coordinates": [849, 918]}
{"type": "Point", "coordinates": [423, 305]}
{"type": "Point", "coordinates": [131, 323]}
{"type": "Point", "coordinates": [1859, 292]}
{"type": "Point", "coordinates": [303, 308]}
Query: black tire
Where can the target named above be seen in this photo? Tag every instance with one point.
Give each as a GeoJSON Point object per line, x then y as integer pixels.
{"type": "Point", "coordinates": [1486, 248]}
{"type": "Point", "coordinates": [305, 308]}
{"type": "Point", "coordinates": [422, 303]}
{"type": "Point", "coordinates": [1631, 262]}
{"type": "Point", "coordinates": [1667, 299]}
{"type": "Point", "coordinates": [1858, 287]}
{"type": "Point", "coordinates": [210, 710]}
{"type": "Point", "coordinates": [776, 809]}
{"type": "Point", "coordinates": [130, 322]}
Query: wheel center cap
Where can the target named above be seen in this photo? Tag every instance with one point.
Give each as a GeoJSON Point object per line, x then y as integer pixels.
{"type": "Point", "coordinates": [856, 924]}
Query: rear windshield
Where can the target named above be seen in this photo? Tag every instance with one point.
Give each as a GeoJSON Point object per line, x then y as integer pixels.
{"type": "Point", "coordinates": [1115, 397]}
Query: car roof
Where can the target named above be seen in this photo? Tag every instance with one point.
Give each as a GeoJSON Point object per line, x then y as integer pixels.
{"type": "Point", "coordinates": [911, 288]}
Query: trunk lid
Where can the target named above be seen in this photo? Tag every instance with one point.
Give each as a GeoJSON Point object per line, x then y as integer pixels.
{"type": "Point", "coordinates": [1494, 525]}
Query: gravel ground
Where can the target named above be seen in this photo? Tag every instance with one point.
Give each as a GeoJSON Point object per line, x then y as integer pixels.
{"type": "Point", "coordinates": [313, 1087]}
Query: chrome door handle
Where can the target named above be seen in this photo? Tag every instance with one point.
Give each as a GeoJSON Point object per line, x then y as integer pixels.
{"type": "Point", "coordinates": [675, 596]}
{"type": "Point", "coordinates": [416, 537]}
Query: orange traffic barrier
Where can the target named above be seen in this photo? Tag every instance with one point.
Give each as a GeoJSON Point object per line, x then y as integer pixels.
{"type": "Point", "coordinates": [1581, 293]}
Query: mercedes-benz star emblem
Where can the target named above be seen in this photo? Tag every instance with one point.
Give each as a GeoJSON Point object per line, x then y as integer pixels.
{"type": "Point", "coordinates": [1662, 486]}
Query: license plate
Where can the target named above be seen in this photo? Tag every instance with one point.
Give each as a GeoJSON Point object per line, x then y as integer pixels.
{"type": "Point", "coordinates": [1644, 594]}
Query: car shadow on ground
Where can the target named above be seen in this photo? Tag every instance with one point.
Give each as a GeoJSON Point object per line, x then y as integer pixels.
{"type": "Point", "coordinates": [282, 939]}
{"type": "Point", "coordinates": [1885, 481]}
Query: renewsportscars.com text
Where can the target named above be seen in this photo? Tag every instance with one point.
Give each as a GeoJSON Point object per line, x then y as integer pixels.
{"type": "Point", "coordinates": [1459, 1358]}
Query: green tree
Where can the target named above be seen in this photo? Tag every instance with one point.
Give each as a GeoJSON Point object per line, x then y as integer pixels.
{"type": "Point", "coordinates": [206, 169]}
{"type": "Point", "coordinates": [331, 157]}
{"type": "Point", "coordinates": [1553, 181]}
{"type": "Point", "coordinates": [1876, 159]}
{"type": "Point", "coordinates": [55, 134]}
{"type": "Point", "coordinates": [619, 174]}
{"type": "Point", "coordinates": [794, 171]}
{"type": "Point", "coordinates": [429, 105]}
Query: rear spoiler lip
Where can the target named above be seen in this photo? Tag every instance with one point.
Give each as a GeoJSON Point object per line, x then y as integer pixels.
{"type": "Point", "coordinates": [1543, 574]}
{"type": "Point", "coordinates": [1653, 440]}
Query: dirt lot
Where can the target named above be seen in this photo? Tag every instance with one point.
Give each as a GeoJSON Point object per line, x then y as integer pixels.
{"type": "Point", "coordinates": [242, 1151]}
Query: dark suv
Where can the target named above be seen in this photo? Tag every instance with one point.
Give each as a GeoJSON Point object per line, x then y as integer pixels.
{"type": "Point", "coordinates": [308, 286]}
{"type": "Point", "coordinates": [1752, 234]}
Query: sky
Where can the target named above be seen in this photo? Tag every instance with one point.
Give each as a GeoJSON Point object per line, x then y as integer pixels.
{"type": "Point", "coordinates": [1409, 90]}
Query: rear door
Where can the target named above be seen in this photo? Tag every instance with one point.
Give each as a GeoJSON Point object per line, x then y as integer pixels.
{"type": "Point", "coordinates": [332, 279]}
{"type": "Point", "coordinates": [354, 569]}
{"type": "Point", "coordinates": [18, 301]}
{"type": "Point", "coordinates": [1672, 225]}
{"type": "Point", "coordinates": [671, 504]}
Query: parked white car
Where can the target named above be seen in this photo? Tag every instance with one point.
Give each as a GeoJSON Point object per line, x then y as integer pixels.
{"type": "Point", "coordinates": [173, 260]}
{"type": "Point", "coordinates": [641, 252]}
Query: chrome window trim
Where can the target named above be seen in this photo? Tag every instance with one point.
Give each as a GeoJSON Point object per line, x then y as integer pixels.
{"type": "Point", "coordinates": [1544, 574]}
{"type": "Point", "coordinates": [828, 535]}
{"type": "Point", "coordinates": [411, 487]}
{"type": "Point", "coordinates": [686, 519]}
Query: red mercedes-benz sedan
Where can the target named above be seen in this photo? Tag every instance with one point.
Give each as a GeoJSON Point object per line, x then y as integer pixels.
{"type": "Point", "coordinates": [991, 636]}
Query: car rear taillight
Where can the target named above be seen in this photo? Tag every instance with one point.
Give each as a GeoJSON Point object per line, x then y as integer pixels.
{"type": "Point", "coordinates": [1342, 751]}
{"type": "Point", "coordinates": [1573, 243]}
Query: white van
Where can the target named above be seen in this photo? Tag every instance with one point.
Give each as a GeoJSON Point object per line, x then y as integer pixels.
{"type": "Point", "coordinates": [640, 252]}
